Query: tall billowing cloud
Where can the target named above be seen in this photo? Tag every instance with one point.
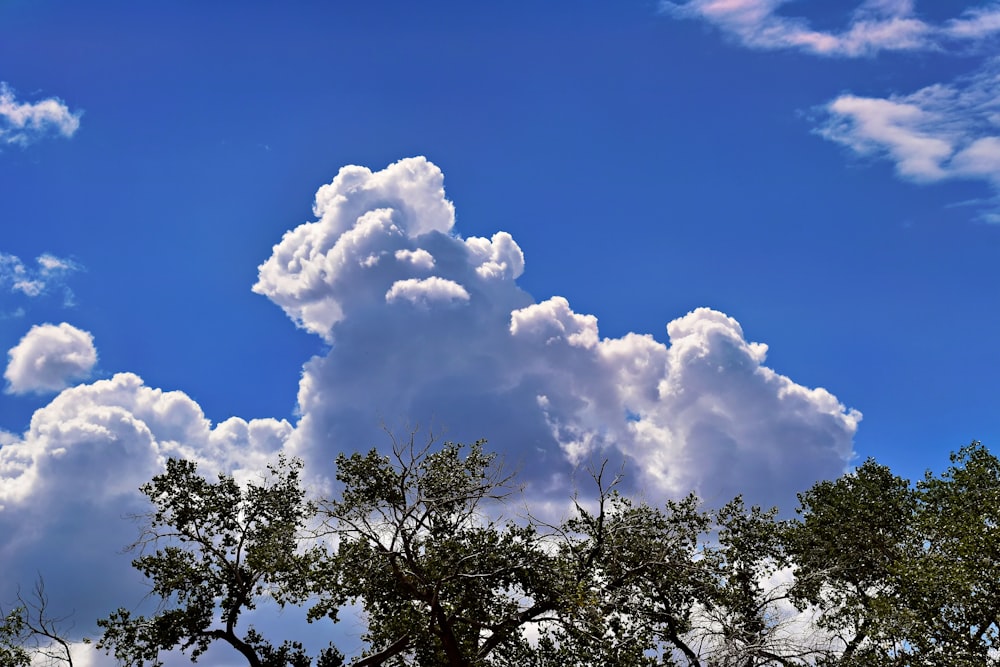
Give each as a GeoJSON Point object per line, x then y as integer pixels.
{"type": "Point", "coordinates": [23, 123]}
{"type": "Point", "coordinates": [49, 358]}
{"type": "Point", "coordinates": [427, 326]}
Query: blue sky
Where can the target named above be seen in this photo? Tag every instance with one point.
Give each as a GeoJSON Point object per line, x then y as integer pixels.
{"type": "Point", "coordinates": [820, 178]}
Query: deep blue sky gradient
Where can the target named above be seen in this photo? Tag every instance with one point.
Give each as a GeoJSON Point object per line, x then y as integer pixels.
{"type": "Point", "coordinates": [647, 166]}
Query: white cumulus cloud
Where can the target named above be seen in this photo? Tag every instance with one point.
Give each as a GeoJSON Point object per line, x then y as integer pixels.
{"type": "Point", "coordinates": [376, 237]}
{"type": "Point", "coordinates": [419, 258]}
{"type": "Point", "coordinates": [68, 483]}
{"type": "Point", "coordinates": [49, 358]}
{"type": "Point", "coordinates": [23, 123]}
{"type": "Point", "coordinates": [426, 290]}
{"type": "Point", "coordinates": [702, 412]}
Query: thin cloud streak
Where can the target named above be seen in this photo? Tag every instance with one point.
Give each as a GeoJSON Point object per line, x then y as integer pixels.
{"type": "Point", "coordinates": [940, 132]}
{"type": "Point", "coordinates": [875, 26]}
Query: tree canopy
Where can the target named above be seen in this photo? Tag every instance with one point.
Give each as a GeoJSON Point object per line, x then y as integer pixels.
{"type": "Point", "coordinates": [434, 547]}
{"type": "Point", "coordinates": [212, 550]}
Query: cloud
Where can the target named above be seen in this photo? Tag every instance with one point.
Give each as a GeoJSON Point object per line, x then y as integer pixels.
{"type": "Point", "coordinates": [98, 442]}
{"type": "Point", "coordinates": [419, 258]}
{"type": "Point", "coordinates": [943, 131]}
{"type": "Point", "coordinates": [874, 26]}
{"type": "Point", "coordinates": [482, 358]}
{"type": "Point", "coordinates": [49, 358]}
{"type": "Point", "coordinates": [477, 355]}
{"type": "Point", "coordinates": [426, 290]}
{"type": "Point", "coordinates": [69, 481]}
{"type": "Point", "coordinates": [974, 24]}
{"type": "Point", "coordinates": [48, 275]}
{"type": "Point", "coordinates": [365, 225]}
{"type": "Point", "coordinates": [23, 123]}
{"type": "Point", "coordinates": [703, 413]}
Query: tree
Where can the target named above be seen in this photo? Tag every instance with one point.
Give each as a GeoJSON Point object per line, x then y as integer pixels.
{"type": "Point", "coordinates": [849, 549]}
{"type": "Point", "coordinates": [29, 634]}
{"type": "Point", "coordinates": [954, 584]}
{"type": "Point", "coordinates": [219, 548]}
{"type": "Point", "coordinates": [13, 652]}
{"type": "Point", "coordinates": [422, 545]}
{"type": "Point", "coordinates": [905, 575]}
{"type": "Point", "coordinates": [422, 540]}
{"type": "Point", "coordinates": [627, 582]}
{"type": "Point", "coordinates": [745, 618]}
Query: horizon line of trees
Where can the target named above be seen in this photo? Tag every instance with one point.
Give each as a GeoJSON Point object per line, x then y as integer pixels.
{"type": "Point", "coordinates": [873, 572]}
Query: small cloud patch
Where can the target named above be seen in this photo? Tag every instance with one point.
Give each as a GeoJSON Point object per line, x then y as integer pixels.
{"type": "Point", "coordinates": [49, 358]}
{"type": "Point", "coordinates": [24, 123]}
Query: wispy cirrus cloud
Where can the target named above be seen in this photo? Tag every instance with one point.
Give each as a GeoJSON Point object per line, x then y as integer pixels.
{"type": "Point", "coordinates": [23, 123]}
{"type": "Point", "coordinates": [940, 132]}
{"type": "Point", "coordinates": [874, 26]}
{"type": "Point", "coordinates": [47, 275]}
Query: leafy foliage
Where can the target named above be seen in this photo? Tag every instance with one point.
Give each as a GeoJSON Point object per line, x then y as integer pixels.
{"type": "Point", "coordinates": [874, 572]}
{"type": "Point", "coordinates": [954, 585]}
{"type": "Point", "coordinates": [12, 650]}
{"type": "Point", "coordinates": [850, 550]}
{"type": "Point", "coordinates": [742, 622]}
{"type": "Point", "coordinates": [422, 546]}
{"type": "Point", "coordinates": [219, 548]}
{"type": "Point", "coordinates": [905, 575]}
{"type": "Point", "coordinates": [628, 581]}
